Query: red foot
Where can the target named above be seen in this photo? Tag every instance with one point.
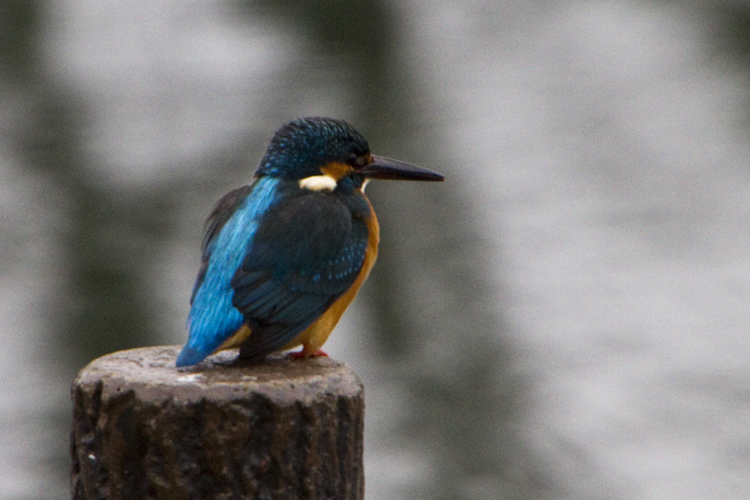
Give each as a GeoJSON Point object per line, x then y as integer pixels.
{"type": "Point", "coordinates": [301, 354]}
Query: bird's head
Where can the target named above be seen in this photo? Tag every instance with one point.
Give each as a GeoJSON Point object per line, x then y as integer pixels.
{"type": "Point", "coordinates": [321, 153]}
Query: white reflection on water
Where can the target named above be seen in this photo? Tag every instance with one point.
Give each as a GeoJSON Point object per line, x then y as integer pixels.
{"type": "Point", "coordinates": [603, 152]}
{"type": "Point", "coordinates": [609, 160]}
{"type": "Point", "coordinates": [31, 391]}
{"type": "Point", "coordinates": [168, 81]}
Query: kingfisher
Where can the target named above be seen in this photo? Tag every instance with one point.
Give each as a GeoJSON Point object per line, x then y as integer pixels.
{"type": "Point", "coordinates": [283, 257]}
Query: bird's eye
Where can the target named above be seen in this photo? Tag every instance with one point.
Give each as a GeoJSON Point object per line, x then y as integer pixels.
{"type": "Point", "coordinates": [359, 161]}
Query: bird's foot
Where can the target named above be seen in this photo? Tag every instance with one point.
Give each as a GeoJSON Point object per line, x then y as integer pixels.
{"type": "Point", "coordinates": [304, 355]}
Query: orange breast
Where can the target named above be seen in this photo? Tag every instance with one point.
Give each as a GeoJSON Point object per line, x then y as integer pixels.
{"type": "Point", "coordinates": [316, 334]}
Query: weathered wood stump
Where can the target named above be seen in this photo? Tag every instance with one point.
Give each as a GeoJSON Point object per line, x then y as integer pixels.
{"type": "Point", "coordinates": [283, 429]}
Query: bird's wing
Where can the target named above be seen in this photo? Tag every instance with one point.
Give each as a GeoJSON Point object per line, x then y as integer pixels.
{"type": "Point", "coordinates": [230, 229]}
{"type": "Point", "coordinates": [221, 213]}
{"type": "Point", "coordinates": [305, 254]}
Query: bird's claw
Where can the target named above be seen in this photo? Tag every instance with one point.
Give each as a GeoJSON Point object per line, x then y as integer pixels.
{"type": "Point", "coordinates": [303, 355]}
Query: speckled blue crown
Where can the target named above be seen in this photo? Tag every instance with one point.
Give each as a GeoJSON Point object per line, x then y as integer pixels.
{"type": "Point", "coordinates": [301, 146]}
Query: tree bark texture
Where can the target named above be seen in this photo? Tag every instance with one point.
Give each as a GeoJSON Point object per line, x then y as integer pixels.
{"type": "Point", "coordinates": [282, 429]}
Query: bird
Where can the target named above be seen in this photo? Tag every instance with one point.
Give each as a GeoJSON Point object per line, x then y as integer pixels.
{"type": "Point", "coordinates": [283, 257]}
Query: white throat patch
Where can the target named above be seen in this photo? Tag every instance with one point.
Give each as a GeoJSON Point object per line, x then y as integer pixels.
{"type": "Point", "coordinates": [318, 183]}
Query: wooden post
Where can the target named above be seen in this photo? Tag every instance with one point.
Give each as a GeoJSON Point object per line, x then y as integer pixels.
{"type": "Point", "coordinates": [283, 429]}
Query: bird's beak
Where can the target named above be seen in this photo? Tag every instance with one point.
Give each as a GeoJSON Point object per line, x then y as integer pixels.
{"type": "Point", "coordinates": [385, 168]}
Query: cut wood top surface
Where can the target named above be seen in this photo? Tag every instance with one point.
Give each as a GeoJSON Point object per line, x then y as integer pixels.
{"type": "Point", "coordinates": [151, 372]}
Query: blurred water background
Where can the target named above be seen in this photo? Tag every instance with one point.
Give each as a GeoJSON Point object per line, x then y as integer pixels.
{"type": "Point", "coordinates": [566, 317]}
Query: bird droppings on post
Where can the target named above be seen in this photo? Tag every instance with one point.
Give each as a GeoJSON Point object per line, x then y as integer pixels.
{"type": "Point", "coordinates": [279, 429]}
{"type": "Point", "coordinates": [193, 377]}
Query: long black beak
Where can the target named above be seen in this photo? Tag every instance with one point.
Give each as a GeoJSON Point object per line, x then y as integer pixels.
{"type": "Point", "coordinates": [385, 168]}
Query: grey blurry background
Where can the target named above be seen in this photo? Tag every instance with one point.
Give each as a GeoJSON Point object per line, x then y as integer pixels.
{"type": "Point", "coordinates": [566, 317]}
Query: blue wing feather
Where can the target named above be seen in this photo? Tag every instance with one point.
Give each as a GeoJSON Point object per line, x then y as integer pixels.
{"type": "Point", "coordinates": [224, 209]}
{"type": "Point", "coordinates": [230, 229]}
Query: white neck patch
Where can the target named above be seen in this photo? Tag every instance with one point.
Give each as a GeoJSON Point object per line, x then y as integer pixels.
{"type": "Point", "coordinates": [320, 183]}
